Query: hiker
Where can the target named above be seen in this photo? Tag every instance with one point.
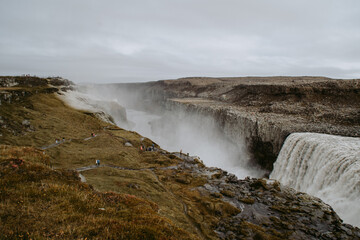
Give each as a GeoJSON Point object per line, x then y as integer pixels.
{"type": "Point", "coordinates": [98, 162]}
{"type": "Point", "coordinates": [141, 148]}
{"type": "Point", "coordinates": [153, 147]}
{"type": "Point", "coordinates": [63, 139]}
{"type": "Point", "coordinates": [56, 141]}
{"type": "Point", "coordinates": [180, 152]}
{"type": "Point", "coordinates": [92, 135]}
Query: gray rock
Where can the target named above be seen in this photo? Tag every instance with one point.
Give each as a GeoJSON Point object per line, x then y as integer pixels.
{"type": "Point", "coordinates": [128, 144]}
{"type": "Point", "coordinates": [26, 123]}
{"type": "Point", "coordinates": [348, 231]}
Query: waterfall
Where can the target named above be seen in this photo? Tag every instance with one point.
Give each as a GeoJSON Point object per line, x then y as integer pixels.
{"type": "Point", "coordinates": [325, 166]}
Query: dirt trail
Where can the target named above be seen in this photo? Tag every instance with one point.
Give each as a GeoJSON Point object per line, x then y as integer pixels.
{"type": "Point", "coordinates": [63, 141]}
{"type": "Point", "coordinates": [81, 169]}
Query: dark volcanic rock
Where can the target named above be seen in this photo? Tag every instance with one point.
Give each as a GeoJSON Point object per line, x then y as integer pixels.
{"type": "Point", "coordinates": [268, 210]}
{"type": "Point", "coordinates": [23, 81]}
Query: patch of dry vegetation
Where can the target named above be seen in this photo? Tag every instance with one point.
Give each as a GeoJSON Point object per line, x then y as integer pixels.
{"type": "Point", "coordinates": [203, 210]}
{"type": "Point", "coordinates": [142, 184]}
{"type": "Point", "coordinates": [54, 203]}
{"type": "Point", "coordinates": [37, 202]}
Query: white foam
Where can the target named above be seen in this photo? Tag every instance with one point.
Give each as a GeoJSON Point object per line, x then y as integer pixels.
{"type": "Point", "coordinates": [89, 103]}
{"type": "Point", "coordinates": [325, 166]}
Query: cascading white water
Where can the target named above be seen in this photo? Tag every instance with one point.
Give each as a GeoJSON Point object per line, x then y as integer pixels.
{"type": "Point", "coordinates": [325, 166]}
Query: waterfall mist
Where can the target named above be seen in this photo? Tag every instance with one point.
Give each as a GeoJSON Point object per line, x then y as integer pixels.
{"type": "Point", "coordinates": [192, 133]}
{"type": "Point", "coordinates": [325, 166]}
{"type": "Point", "coordinates": [197, 135]}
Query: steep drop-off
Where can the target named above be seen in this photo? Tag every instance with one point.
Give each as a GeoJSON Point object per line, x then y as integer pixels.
{"type": "Point", "coordinates": [261, 112]}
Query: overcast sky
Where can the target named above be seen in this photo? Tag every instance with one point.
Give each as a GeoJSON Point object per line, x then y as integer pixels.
{"type": "Point", "coordinates": [143, 40]}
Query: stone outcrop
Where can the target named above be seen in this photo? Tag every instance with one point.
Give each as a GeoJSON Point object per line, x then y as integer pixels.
{"type": "Point", "coordinates": [260, 208]}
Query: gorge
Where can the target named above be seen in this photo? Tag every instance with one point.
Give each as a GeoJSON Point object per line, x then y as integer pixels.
{"type": "Point", "coordinates": [240, 125]}
{"type": "Point", "coordinates": [186, 196]}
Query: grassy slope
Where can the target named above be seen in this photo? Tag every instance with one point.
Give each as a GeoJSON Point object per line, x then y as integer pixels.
{"type": "Point", "coordinates": [37, 201]}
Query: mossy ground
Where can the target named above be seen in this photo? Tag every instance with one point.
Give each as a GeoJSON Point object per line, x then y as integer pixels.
{"type": "Point", "coordinates": [41, 197]}
{"type": "Point", "coordinates": [37, 202]}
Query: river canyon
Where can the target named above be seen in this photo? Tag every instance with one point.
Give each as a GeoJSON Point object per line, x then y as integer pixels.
{"type": "Point", "coordinates": [241, 124]}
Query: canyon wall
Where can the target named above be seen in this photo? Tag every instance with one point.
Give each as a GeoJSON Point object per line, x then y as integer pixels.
{"type": "Point", "coordinates": [262, 139]}
{"type": "Point", "coordinates": [262, 112]}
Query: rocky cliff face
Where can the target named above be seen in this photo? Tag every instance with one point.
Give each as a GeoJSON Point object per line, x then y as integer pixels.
{"type": "Point", "coordinates": [264, 111]}
{"type": "Point", "coordinates": [263, 139]}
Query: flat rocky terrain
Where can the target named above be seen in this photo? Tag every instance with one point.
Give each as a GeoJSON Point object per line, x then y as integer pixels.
{"type": "Point", "coordinates": [313, 102]}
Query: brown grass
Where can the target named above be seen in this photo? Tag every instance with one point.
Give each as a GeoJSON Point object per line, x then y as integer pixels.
{"type": "Point", "coordinates": [40, 203]}
{"type": "Point", "coordinates": [41, 198]}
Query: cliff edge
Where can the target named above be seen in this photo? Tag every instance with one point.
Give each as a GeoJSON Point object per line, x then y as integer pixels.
{"type": "Point", "coordinates": [265, 110]}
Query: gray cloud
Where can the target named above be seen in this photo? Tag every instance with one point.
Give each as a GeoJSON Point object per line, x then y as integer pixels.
{"type": "Point", "coordinates": [139, 40]}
